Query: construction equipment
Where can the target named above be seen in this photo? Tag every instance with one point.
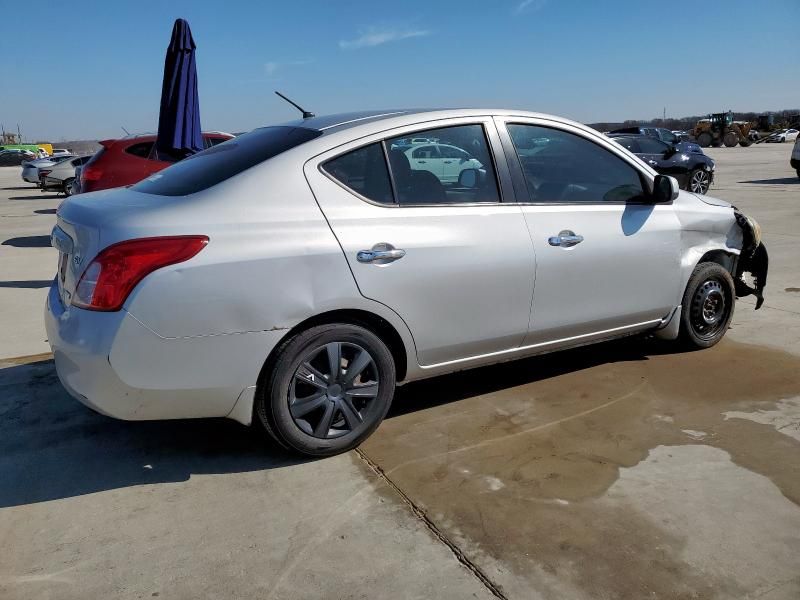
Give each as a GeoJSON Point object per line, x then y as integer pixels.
{"type": "Point", "coordinates": [719, 129]}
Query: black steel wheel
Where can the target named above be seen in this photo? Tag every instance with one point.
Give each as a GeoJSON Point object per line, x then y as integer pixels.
{"type": "Point", "coordinates": [699, 181]}
{"type": "Point", "coordinates": [707, 306]}
{"type": "Point", "coordinates": [330, 388]}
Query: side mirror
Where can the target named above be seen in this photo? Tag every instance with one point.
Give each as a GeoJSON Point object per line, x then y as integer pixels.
{"type": "Point", "coordinates": [665, 189]}
{"type": "Point", "coordinates": [670, 152]}
{"type": "Point", "coordinates": [468, 178]}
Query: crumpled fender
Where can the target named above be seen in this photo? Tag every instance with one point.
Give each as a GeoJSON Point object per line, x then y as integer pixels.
{"type": "Point", "coordinates": [753, 263]}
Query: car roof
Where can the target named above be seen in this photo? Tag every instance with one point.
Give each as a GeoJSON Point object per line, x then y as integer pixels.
{"type": "Point", "coordinates": [388, 119]}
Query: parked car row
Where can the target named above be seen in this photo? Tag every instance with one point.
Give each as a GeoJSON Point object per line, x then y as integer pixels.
{"type": "Point", "coordinates": [119, 162]}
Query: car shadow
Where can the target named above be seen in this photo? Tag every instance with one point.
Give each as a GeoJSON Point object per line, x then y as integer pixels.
{"type": "Point", "coordinates": [16, 188]}
{"type": "Point", "coordinates": [32, 284]}
{"type": "Point", "coordinates": [29, 241]}
{"type": "Point", "coordinates": [46, 211]}
{"type": "Point", "coordinates": [53, 196]}
{"type": "Point", "coordinates": [444, 389]}
{"type": "Point", "coordinates": [778, 181]}
{"type": "Point", "coordinates": [53, 447]}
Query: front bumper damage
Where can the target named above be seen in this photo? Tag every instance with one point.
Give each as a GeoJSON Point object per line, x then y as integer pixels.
{"type": "Point", "coordinates": [753, 263]}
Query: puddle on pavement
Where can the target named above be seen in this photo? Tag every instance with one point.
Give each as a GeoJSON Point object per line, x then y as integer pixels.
{"type": "Point", "coordinates": [515, 461]}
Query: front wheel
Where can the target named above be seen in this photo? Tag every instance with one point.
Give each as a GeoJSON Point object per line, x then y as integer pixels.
{"type": "Point", "coordinates": [329, 389]}
{"type": "Point", "coordinates": [67, 186]}
{"type": "Point", "coordinates": [707, 307]}
{"type": "Point", "coordinates": [699, 181]}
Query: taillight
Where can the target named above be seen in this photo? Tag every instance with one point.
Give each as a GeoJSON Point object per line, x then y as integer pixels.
{"type": "Point", "coordinates": [112, 275]}
{"type": "Point", "coordinates": [91, 173]}
{"type": "Point", "coordinates": [44, 172]}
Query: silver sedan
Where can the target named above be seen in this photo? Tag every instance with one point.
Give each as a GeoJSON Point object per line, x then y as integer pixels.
{"type": "Point", "coordinates": [293, 276]}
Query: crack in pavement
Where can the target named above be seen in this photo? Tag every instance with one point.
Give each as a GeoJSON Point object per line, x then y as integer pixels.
{"type": "Point", "coordinates": [418, 512]}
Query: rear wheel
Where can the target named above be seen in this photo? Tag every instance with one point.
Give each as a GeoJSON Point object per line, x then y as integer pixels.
{"type": "Point", "coordinates": [67, 186]}
{"type": "Point", "coordinates": [330, 388]}
{"type": "Point", "coordinates": [704, 139]}
{"type": "Point", "coordinates": [699, 181]}
{"type": "Point", "coordinates": [707, 306]}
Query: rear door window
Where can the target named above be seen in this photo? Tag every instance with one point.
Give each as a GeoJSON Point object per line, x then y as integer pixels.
{"type": "Point", "coordinates": [364, 172]}
{"type": "Point", "coordinates": [216, 164]}
{"type": "Point", "coordinates": [142, 149]}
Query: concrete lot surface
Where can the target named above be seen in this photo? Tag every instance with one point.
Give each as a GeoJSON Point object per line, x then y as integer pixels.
{"type": "Point", "coordinates": [625, 470]}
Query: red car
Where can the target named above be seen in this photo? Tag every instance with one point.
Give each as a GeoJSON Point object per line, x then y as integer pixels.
{"type": "Point", "coordinates": [129, 160]}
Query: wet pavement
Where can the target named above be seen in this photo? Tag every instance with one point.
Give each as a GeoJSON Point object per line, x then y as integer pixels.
{"type": "Point", "coordinates": [582, 474]}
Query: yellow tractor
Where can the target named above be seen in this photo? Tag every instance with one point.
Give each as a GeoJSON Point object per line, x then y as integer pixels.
{"type": "Point", "coordinates": [719, 129]}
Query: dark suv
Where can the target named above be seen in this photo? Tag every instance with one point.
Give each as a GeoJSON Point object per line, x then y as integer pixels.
{"type": "Point", "coordinates": [694, 172]}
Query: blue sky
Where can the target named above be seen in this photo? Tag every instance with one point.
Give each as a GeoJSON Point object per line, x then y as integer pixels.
{"type": "Point", "coordinates": [82, 70]}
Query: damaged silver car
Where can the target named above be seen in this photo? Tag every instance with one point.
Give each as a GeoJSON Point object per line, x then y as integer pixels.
{"type": "Point", "coordinates": [293, 276]}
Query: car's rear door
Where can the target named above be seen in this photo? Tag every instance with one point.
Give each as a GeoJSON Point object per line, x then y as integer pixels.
{"type": "Point", "coordinates": [607, 261]}
{"type": "Point", "coordinates": [455, 263]}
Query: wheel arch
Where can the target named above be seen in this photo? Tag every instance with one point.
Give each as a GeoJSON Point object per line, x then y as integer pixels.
{"type": "Point", "coordinates": [375, 323]}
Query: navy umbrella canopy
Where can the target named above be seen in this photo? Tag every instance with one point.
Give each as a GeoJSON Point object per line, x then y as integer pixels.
{"type": "Point", "coordinates": [179, 133]}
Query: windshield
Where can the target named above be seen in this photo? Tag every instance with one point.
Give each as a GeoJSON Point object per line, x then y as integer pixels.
{"type": "Point", "coordinates": [223, 161]}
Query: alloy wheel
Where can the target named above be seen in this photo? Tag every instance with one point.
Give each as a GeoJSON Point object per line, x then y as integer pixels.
{"type": "Point", "coordinates": [700, 182]}
{"type": "Point", "coordinates": [332, 390]}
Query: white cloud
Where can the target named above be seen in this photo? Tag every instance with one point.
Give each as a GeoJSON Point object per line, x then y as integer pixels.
{"type": "Point", "coordinates": [529, 6]}
{"type": "Point", "coordinates": [374, 36]}
{"type": "Point", "coordinates": [272, 67]}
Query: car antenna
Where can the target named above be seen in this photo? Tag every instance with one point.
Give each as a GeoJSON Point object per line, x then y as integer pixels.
{"type": "Point", "coordinates": [306, 114]}
{"type": "Point", "coordinates": [125, 130]}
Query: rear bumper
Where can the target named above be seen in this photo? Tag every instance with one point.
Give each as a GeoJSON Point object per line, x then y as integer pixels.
{"type": "Point", "coordinates": [112, 363]}
{"type": "Point", "coordinates": [30, 176]}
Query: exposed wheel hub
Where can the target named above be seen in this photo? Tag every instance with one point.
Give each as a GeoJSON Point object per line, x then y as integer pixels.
{"type": "Point", "coordinates": [709, 308]}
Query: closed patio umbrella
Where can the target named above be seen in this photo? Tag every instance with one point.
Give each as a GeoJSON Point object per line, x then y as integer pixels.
{"type": "Point", "coordinates": [179, 133]}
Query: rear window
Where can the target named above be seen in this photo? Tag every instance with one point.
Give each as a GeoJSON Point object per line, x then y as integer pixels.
{"type": "Point", "coordinates": [223, 161]}
{"type": "Point", "coordinates": [142, 149]}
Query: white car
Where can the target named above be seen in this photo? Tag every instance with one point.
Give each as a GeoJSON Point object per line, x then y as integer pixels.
{"type": "Point", "coordinates": [30, 170]}
{"type": "Point", "coordinates": [787, 135]}
{"type": "Point", "coordinates": [443, 160]}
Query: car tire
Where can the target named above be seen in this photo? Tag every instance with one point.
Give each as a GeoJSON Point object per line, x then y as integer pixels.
{"type": "Point", "coordinates": [707, 307]}
{"type": "Point", "coordinates": [66, 186]}
{"type": "Point", "coordinates": [798, 172]}
{"type": "Point", "coordinates": [699, 181]}
{"type": "Point", "coordinates": [308, 408]}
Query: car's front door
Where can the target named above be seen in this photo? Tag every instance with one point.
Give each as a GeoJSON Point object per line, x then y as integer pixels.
{"type": "Point", "coordinates": [607, 260]}
{"type": "Point", "coordinates": [456, 264]}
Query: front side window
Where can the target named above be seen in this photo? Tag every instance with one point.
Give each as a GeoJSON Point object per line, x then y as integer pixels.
{"type": "Point", "coordinates": [570, 168]}
{"type": "Point", "coordinates": [457, 169]}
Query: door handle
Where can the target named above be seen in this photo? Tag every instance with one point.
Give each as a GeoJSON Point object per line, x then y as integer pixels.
{"type": "Point", "coordinates": [652, 163]}
{"type": "Point", "coordinates": [420, 162]}
{"type": "Point", "coordinates": [447, 162]}
{"type": "Point", "coordinates": [565, 239]}
{"type": "Point", "coordinates": [380, 254]}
